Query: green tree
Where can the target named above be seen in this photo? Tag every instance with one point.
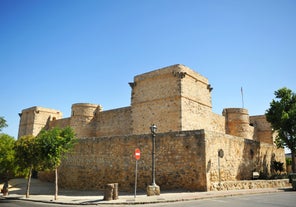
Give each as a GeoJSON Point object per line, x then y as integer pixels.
{"type": "Point", "coordinates": [282, 117]}
{"type": "Point", "coordinates": [7, 156]}
{"type": "Point", "coordinates": [2, 123]}
{"type": "Point", "coordinates": [28, 157]}
{"type": "Point", "coordinates": [54, 144]}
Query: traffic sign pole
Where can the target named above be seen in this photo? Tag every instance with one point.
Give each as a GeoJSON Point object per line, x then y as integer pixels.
{"type": "Point", "coordinates": [136, 178]}
{"type": "Point", "coordinates": [137, 155]}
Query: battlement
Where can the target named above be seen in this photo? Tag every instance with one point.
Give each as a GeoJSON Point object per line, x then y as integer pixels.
{"type": "Point", "coordinates": [175, 98]}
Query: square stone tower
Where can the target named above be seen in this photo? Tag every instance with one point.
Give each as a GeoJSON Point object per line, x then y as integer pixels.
{"type": "Point", "coordinates": [33, 119]}
{"type": "Point", "coordinates": [175, 98]}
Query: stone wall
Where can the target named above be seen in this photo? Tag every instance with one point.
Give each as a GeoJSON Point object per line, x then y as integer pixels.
{"type": "Point", "coordinates": [241, 157]}
{"type": "Point", "coordinates": [195, 87]}
{"type": "Point", "coordinates": [217, 123]}
{"type": "Point", "coordinates": [82, 119]}
{"type": "Point", "coordinates": [268, 154]}
{"type": "Point", "coordinates": [249, 184]}
{"type": "Point", "coordinates": [36, 118]}
{"type": "Point", "coordinates": [62, 123]}
{"type": "Point", "coordinates": [97, 123]}
{"type": "Point", "coordinates": [175, 98]}
{"type": "Point", "coordinates": [114, 122]}
{"type": "Point", "coordinates": [195, 115]}
{"type": "Point", "coordinates": [156, 99]}
{"type": "Point", "coordinates": [238, 123]}
{"type": "Point", "coordinates": [263, 132]}
{"type": "Point", "coordinates": [184, 160]}
{"type": "Point", "coordinates": [97, 161]}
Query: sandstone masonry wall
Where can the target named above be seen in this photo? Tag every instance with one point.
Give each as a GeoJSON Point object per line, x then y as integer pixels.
{"type": "Point", "coordinates": [263, 132]}
{"type": "Point", "coordinates": [62, 123]}
{"type": "Point", "coordinates": [238, 123]}
{"type": "Point", "coordinates": [184, 160]}
{"type": "Point", "coordinates": [156, 99]}
{"type": "Point", "coordinates": [195, 87]}
{"type": "Point", "coordinates": [249, 184]}
{"type": "Point", "coordinates": [241, 157]}
{"type": "Point", "coordinates": [217, 123]}
{"type": "Point", "coordinates": [97, 161]}
{"type": "Point", "coordinates": [36, 118]}
{"type": "Point", "coordinates": [114, 122]}
{"type": "Point", "coordinates": [174, 98]}
{"type": "Point", "coordinates": [195, 115]}
{"type": "Point", "coordinates": [82, 119]}
{"type": "Point", "coordinates": [88, 120]}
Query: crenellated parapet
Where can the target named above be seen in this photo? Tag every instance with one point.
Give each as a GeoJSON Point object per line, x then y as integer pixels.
{"type": "Point", "coordinates": [175, 98]}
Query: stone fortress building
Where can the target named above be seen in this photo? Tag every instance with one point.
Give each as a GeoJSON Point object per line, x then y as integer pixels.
{"type": "Point", "coordinates": [177, 100]}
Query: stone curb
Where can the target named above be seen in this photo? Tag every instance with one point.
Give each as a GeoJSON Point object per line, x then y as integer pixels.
{"type": "Point", "coordinates": [211, 195]}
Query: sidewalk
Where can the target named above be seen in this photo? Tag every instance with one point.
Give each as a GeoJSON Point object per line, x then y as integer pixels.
{"type": "Point", "coordinates": [44, 191]}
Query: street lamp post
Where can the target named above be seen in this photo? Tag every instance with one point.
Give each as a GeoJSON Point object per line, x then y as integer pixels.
{"type": "Point", "coordinates": [153, 189]}
{"type": "Point", "coordinates": [153, 129]}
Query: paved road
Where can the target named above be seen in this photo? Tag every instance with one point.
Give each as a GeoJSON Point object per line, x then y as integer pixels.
{"type": "Point", "coordinates": [280, 199]}
{"type": "Point", "coordinates": [284, 199]}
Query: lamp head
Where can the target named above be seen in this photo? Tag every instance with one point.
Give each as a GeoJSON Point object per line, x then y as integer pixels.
{"type": "Point", "coordinates": [153, 128]}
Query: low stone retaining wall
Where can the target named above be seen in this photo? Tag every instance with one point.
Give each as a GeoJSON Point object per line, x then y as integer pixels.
{"type": "Point", "coordinates": [249, 184]}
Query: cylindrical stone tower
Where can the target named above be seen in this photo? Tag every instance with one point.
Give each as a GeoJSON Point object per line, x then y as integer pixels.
{"type": "Point", "coordinates": [237, 122]}
{"type": "Point", "coordinates": [81, 119]}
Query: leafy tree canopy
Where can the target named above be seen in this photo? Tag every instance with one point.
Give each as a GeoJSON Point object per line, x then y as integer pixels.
{"type": "Point", "coordinates": [27, 152]}
{"type": "Point", "coordinates": [54, 144]}
{"type": "Point", "coordinates": [28, 156]}
{"type": "Point", "coordinates": [7, 155]}
{"type": "Point", "coordinates": [2, 123]}
{"type": "Point", "coordinates": [282, 116]}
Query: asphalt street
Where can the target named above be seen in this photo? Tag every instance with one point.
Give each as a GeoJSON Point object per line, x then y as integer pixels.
{"type": "Point", "coordinates": [279, 199]}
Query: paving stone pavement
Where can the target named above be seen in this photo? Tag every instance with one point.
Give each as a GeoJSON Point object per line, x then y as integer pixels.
{"type": "Point", "coordinates": [44, 191]}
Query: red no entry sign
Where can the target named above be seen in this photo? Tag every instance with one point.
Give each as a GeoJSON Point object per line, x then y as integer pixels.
{"type": "Point", "coordinates": [137, 154]}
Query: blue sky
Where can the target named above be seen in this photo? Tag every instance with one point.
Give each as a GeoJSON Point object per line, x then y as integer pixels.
{"type": "Point", "coordinates": [54, 53]}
